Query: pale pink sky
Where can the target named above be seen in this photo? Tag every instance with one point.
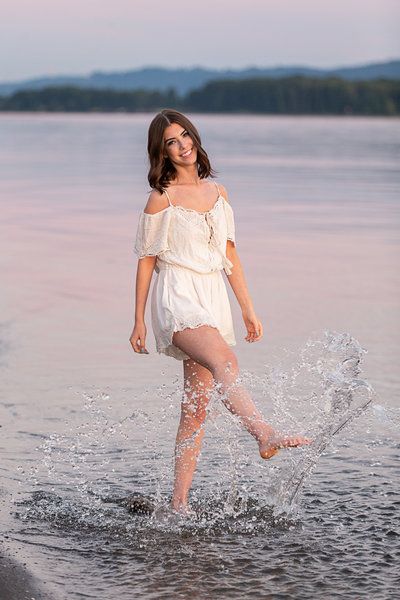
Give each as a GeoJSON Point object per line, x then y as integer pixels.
{"type": "Point", "coordinates": [41, 37]}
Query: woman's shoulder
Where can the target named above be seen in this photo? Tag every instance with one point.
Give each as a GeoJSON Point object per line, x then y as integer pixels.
{"type": "Point", "coordinates": [156, 203]}
{"type": "Point", "coordinates": [223, 191]}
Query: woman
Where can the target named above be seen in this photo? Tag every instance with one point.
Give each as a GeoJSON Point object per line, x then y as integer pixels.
{"type": "Point", "coordinates": [186, 233]}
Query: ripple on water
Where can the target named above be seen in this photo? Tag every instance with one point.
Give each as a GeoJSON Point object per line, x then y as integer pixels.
{"type": "Point", "coordinates": [258, 529]}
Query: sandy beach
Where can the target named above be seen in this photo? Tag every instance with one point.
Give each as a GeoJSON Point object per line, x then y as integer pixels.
{"type": "Point", "coordinates": [16, 583]}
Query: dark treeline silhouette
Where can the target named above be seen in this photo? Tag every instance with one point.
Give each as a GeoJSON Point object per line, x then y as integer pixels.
{"type": "Point", "coordinates": [288, 95]}
{"type": "Point", "coordinates": [74, 99]}
{"type": "Point", "coordinates": [299, 95]}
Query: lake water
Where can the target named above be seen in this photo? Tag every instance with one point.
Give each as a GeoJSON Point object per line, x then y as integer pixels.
{"type": "Point", "coordinates": [86, 422]}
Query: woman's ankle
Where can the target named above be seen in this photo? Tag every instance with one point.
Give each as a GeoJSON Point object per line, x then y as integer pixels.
{"type": "Point", "coordinates": [266, 434]}
{"type": "Point", "coordinates": [178, 503]}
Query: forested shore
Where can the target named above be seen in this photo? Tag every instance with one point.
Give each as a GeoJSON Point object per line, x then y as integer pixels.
{"type": "Point", "coordinates": [297, 95]}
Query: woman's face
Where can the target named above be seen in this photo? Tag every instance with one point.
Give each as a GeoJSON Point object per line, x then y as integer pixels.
{"type": "Point", "coordinates": [179, 146]}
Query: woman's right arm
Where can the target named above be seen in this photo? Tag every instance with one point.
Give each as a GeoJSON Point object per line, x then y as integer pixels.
{"type": "Point", "coordinates": [146, 264]}
{"type": "Point", "coordinates": [144, 274]}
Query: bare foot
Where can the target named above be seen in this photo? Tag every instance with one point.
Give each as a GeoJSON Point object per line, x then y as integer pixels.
{"type": "Point", "coordinates": [269, 448]}
{"type": "Point", "coordinates": [183, 509]}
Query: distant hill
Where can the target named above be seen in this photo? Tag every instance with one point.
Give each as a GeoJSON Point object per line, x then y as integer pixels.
{"type": "Point", "coordinates": [186, 80]}
{"type": "Point", "coordinates": [296, 95]}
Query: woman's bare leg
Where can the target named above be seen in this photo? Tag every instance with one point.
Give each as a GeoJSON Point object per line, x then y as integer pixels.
{"type": "Point", "coordinates": [206, 346]}
{"type": "Point", "coordinates": [198, 382]}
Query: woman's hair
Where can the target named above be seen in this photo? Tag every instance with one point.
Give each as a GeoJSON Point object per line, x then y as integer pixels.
{"type": "Point", "coordinates": [161, 168]}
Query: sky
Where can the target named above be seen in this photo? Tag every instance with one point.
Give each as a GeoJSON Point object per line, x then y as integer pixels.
{"type": "Point", "coordinates": [51, 37]}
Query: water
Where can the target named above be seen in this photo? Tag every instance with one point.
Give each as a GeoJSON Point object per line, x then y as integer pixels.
{"type": "Point", "coordinates": [85, 425]}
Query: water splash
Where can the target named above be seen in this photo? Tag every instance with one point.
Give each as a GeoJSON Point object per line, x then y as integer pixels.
{"type": "Point", "coordinates": [342, 398]}
{"type": "Point", "coordinates": [96, 466]}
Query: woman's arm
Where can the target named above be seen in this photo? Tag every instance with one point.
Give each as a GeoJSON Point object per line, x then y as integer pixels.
{"type": "Point", "coordinates": [238, 284]}
{"type": "Point", "coordinates": [144, 274]}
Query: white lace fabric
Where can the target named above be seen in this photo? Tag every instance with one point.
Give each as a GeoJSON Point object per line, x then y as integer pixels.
{"type": "Point", "coordinates": [189, 290]}
{"type": "Point", "coordinates": [188, 238]}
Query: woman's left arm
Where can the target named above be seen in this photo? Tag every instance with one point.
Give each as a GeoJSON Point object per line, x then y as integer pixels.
{"type": "Point", "coordinates": [237, 280]}
{"type": "Point", "coordinates": [238, 284]}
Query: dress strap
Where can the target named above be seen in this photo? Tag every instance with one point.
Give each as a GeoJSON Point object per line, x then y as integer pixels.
{"type": "Point", "coordinates": [169, 199]}
{"type": "Point", "coordinates": [219, 193]}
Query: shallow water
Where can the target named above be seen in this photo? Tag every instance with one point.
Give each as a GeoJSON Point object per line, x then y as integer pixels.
{"type": "Point", "coordinates": [85, 425]}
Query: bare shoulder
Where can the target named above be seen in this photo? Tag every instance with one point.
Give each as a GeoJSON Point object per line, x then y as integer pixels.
{"type": "Point", "coordinates": [223, 191]}
{"type": "Point", "coordinates": [155, 203]}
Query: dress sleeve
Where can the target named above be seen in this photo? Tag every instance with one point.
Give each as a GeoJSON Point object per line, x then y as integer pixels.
{"type": "Point", "coordinates": [152, 233]}
{"type": "Point", "coordinates": [230, 222]}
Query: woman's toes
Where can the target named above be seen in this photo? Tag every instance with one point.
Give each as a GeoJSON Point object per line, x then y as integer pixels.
{"type": "Point", "coordinates": [293, 442]}
{"type": "Point", "coordinates": [269, 449]}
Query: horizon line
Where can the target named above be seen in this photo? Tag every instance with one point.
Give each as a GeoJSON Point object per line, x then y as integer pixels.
{"type": "Point", "coordinates": [204, 67]}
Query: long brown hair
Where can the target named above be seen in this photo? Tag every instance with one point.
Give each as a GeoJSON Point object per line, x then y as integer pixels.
{"type": "Point", "coordinates": [161, 168]}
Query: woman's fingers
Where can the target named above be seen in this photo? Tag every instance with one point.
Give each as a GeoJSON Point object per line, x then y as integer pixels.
{"type": "Point", "coordinates": [254, 331]}
{"type": "Point", "coordinates": [259, 331]}
{"type": "Point", "coordinates": [140, 348]}
{"type": "Point", "coordinates": [138, 344]}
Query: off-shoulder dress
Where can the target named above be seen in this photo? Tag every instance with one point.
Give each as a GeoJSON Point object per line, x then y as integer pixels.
{"type": "Point", "coordinates": [189, 289]}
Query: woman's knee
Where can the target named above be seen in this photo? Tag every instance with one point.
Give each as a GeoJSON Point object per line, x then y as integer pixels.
{"type": "Point", "coordinates": [225, 363]}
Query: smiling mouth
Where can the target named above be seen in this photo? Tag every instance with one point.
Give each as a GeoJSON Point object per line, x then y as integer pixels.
{"type": "Point", "coordinates": [187, 153]}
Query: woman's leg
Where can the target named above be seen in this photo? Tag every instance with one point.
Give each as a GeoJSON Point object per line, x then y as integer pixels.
{"type": "Point", "coordinates": [198, 382]}
{"type": "Point", "coordinates": [206, 346]}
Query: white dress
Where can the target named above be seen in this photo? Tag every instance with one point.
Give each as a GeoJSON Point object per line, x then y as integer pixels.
{"type": "Point", "coordinates": [189, 289]}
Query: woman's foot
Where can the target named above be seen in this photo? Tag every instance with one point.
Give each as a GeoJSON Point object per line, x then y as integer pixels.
{"type": "Point", "coordinates": [182, 509]}
{"type": "Point", "coordinates": [277, 441]}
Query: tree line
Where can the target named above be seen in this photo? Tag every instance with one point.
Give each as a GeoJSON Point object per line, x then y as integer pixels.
{"type": "Point", "coordinates": [297, 95]}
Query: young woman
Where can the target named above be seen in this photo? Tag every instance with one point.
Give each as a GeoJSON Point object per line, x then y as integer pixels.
{"type": "Point", "coordinates": [186, 233]}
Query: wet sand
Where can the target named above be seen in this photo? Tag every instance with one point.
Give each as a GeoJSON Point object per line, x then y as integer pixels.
{"type": "Point", "coordinates": [16, 583]}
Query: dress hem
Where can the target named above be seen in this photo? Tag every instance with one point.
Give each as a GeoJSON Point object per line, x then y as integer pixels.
{"type": "Point", "coordinates": [177, 353]}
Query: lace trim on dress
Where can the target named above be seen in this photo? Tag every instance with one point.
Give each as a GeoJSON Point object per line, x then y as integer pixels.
{"type": "Point", "coordinates": [168, 348]}
{"type": "Point", "coordinates": [181, 325]}
{"type": "Point", "coordinates": [230, 222]}
{"type": "Point", "coordinates": [152, 234]}
{"type": "Point", "coordinates": [152, 238]}
{"type": "Point", "coordinates": [199, 212]}
{"type": "Point", "coordinates": [172, 350]}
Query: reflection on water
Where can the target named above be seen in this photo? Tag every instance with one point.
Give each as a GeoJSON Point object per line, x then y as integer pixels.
{"type": "Point", "coordinates": [88, 428]}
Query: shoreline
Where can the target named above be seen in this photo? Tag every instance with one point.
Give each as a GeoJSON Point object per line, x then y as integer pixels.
{"type": "Point", "coordinates": [17, 583]}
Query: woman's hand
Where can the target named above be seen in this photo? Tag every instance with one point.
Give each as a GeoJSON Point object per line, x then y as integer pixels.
{"type": "Point", "coordinates": [138, 338]}
{"type": "Point", "coordinates": [253, 325]}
